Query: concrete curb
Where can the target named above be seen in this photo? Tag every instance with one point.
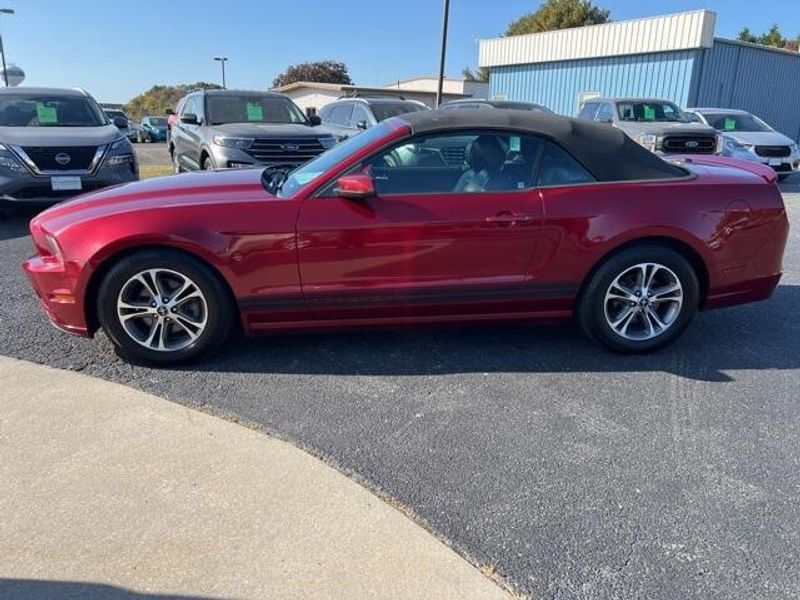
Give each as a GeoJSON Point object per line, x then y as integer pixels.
{"type": "Point", "coordinates": [112, 493]}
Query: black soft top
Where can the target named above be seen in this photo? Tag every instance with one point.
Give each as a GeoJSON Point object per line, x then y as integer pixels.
{"type": "Point", "coordinates": [606, 152]}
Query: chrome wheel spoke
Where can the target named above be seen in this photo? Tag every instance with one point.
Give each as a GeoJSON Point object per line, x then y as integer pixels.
{"type": "Point", "coordinates": [621, 324]}
{"type": "Point", "coordinates": [191, 328]}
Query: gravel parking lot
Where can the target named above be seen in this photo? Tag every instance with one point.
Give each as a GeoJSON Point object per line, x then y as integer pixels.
{"type": "Point", "coordinates": [572, 472]}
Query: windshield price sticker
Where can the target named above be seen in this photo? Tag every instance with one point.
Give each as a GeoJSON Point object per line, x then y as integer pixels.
{"type": "Point", "coordinates": [730, 124]}
{"type": "Point", "coordinates": [254, 112]}
{"type": "Point", "coordinates": [514, 143]}
{"type": "Point", "coordinates": [46, 114]}
{"type": "Point", "coordinates": [649, 113]}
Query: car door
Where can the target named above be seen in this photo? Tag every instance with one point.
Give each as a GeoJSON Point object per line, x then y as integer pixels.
{"type": "Point", "coordinates": [187, 141]}
{"type": "Point", "coordinates": [419, 247]}
{"type": "Point", "coordinates": [182, 139]}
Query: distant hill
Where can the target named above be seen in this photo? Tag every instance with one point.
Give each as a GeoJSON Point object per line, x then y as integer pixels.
{"type": "Point", "coordinates": [159, 98]}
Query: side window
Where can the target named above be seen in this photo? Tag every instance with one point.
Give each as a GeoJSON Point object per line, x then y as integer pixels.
{"type": "Point", "coordinates": [463, 162]}
{"type": "Point", "coordinates": [359, 114]}
{"type": "Point", "coordinates": [605, 113]}
{"type": "Point", "coordinates": [340, 115]}
{"type": "Point", "coordinates": [588, 111]}
{"type": "Point", "coordinates": [184, 109]}
{"type": "Point", "coordinates": [557, 167]}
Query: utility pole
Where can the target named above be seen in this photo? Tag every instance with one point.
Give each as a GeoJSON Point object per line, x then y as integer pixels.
{"type": "Point", "coordinates": [222, 60]}
{"type": "Point", "coordinates": [444, 52]}
{"type": "Point", "coordinates": [4, 11]}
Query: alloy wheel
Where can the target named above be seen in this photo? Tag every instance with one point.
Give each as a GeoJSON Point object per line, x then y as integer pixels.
{"type": "Point", "coordinates": [162, 310]}
{"type": "Point", "coordinates": [643, 301]}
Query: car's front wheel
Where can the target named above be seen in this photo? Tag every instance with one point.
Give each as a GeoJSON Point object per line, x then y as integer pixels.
{"type": "Point", "coordinates": [163, 307]}
{"type": "Point", "coordinates": [639, 300]}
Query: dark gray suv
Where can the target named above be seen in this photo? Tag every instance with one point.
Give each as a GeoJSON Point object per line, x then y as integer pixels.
{"type": "Point", "coordinates": [228, 129]}
{"type": "Point", "coordinates": [57, 143]}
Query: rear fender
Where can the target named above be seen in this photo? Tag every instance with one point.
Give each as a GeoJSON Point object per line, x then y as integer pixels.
{"type": "Point", "coordinates": [767, 173]}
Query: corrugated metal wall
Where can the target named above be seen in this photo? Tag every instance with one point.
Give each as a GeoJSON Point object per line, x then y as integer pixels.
{"type": "Point", "coordinates": [764, 82]}
{"type": "Point", "coordinates": [558, 85]}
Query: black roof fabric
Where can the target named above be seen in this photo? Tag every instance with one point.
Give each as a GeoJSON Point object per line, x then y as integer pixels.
{"type": "Point", "coordinates": [606, 152]}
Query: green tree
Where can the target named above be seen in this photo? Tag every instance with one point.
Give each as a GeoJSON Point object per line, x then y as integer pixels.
{"type": "Point", "coordinates": [559, 14]}
{"type": "Point", "coordinates": [159, 98]}
{"type": "Point", "coordinates": [773, 37]}
{"type": "Point", "coordinates": [481, 74]}
{"type": "Point", "coordinates": [325, 71]}
{"type": "Point", "coordinates": [745, 35]}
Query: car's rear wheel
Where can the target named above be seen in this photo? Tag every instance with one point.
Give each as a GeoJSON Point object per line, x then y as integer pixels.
{"type": "Point", "coordinates": [163, 307]}
{"type": "Point", "coordinates": [640, 299]}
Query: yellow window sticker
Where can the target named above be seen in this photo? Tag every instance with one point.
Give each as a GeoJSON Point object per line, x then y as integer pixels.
{"type": "Point", "coordinates": [254, 112]}
{"type": "Point", "coordinates": [46, 114]}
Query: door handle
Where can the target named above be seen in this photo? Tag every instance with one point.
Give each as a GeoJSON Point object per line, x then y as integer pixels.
{"type": "Point", "coordinates": [508, 219]}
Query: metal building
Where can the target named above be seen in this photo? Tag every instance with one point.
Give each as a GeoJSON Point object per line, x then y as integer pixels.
{"type": "Point", "coordinates": [675, 57]}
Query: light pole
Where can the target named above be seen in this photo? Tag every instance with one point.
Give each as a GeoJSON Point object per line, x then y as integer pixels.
{"type": "Point", "coordinates": [222, 60]}
{"type": "Point", "coordinates": [4, 11]}
{"type": "Point", "coordinates": [444, 52]}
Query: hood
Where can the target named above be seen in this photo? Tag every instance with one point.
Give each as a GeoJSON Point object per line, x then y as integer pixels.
{"type": "Point", "coordinates": [660, 128]}
{"type": "Point", "coordinates": [270, 130]}
{"type": "Point", "coordinates": [759, 138]}
{"type": "Point", "coordinates": [59, 136]}
{"type": "Point", "coordinates": [209, 187]}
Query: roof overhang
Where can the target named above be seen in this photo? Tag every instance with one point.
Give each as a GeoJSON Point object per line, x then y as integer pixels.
{"type": "Point", "coordinates": [680, 31]}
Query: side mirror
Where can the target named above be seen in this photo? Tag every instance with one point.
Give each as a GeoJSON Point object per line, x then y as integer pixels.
{"type": "Point", "coordinates": [120, 122]}
{"type": "Point", "coordinates": [355, 187]}
{"type": "Point", "coordinates": [314, 120]}
{"type": "Point", "coordinates": [362, 125]}
{"type": "Point", "coordinates": [190, 119]}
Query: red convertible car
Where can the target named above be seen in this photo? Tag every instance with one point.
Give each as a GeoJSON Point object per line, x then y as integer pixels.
{"type": "Point", "coordinates": [428, 217]}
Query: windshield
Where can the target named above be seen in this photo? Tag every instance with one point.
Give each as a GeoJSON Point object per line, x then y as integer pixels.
{"type": "Point", "coordinates": [158, 122]}
{"type": "Point", "coordinates": [524, 106]}
{"type": "Point", "coordinates": [386, 110]}
{"type": "Point", "coordinates": [659, 112]}
{"type": "Point", "coordinates": [22, 110]}
{"type": "Point", "coordinates": [302, 176]}
{"type": "Point", "coordinates": [229, 108]}
{"type": "Point", "coordinates": [736, 122]}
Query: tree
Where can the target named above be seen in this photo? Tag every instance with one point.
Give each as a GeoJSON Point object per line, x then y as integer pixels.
{"type": "Point", "coordinates": [481, 74]}
{"type": "Point", "coordinates": [326, 71]}
{"type": "Point", "coordinates": [559, 14]}
{"type": "Point", "coordinates": [159, 98]}
{"type": "Point", "coordinates": [773, 37]}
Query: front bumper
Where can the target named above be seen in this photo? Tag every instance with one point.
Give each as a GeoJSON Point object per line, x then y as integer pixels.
{"type": "Point", "coordinates": [25, 188]}
{"type": "Point", "coordinates": [781, 165]}
{"type": "Point", "coordinates": [55, 286]}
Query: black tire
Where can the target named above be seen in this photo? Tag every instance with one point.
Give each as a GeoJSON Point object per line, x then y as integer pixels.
{"type": "Point", "coordinates": [138, 137]}
{"type": "Point", "coordinates": [176, 165]}
{"type": "Point", "coordinates": [592, 308]}
{"type": "Point", "coordinates": [206, 164]}
{"type": "Point", "coordinates": [218, 314]}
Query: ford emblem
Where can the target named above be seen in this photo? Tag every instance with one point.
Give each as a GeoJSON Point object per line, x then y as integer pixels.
{"type": "Point", "coordinates": [290, 147]}
{"type": "Point", "coordinates": [63, 158]}
{"type": "Point", "coordinates": [692, 144]}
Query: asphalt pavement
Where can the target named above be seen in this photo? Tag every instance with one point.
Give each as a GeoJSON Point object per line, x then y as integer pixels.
{"type": "Point", "coordinates": [572, 472]}
{"type": "Point", "coordinates": [152, 154]}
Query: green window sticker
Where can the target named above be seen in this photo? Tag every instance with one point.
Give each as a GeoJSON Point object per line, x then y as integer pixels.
{"type": "Point", "coordinates": [514, 143]}
{"type": "Point", "coordinates": [649, 113]}
{"type": "Point", "coordinates": [254, 112]}
{"type": "Point", "coordinates": [730, 124]}
{"type": "Point", "coordinates": [46, 114]}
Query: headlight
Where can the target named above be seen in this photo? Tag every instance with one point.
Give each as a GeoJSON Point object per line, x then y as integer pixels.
{"type": "Point", "coordinates": [649, 141]}
{"type": "Point", "coordinates": [52, 246]}
{"type": "Point", "coordinates": [328, 142]}
{"type": "Point", "coordinates": [795, 149]}
{"type": "Point", "coordinates": [10, 162]}
{"type": "Point", "coordinates": [241, 143]}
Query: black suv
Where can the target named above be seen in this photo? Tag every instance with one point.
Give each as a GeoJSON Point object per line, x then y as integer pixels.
{"type": "Point", "coordinates": [348, 116]}
{"type": "Point", "coordinates": [228, 129]}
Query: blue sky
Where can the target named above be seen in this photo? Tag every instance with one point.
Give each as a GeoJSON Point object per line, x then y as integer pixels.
{"type": "Point", "coordinates": [118, 49]}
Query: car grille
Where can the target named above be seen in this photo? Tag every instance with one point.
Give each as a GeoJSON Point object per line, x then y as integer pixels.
{"type": "Point", "coordinates": [686, 144]}
{"type": "Point", "coordinates": [773, 151]}
{"type": "Point", "coordinates": [281, 150]}
{"type": "Point", "coordinates": [44, 157]}
{"type": "Point", "coordinates": [454, 156]}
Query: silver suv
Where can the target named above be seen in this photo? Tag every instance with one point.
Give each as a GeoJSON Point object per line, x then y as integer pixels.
{"type": "Point", "coordinates": [57, 143]}
{"type": "Point", "coordinates": [349, 116]}
{"type": "Point", "coordinates": [658, 125]}
{"type": "Point", "coordinates": [228, 129]}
